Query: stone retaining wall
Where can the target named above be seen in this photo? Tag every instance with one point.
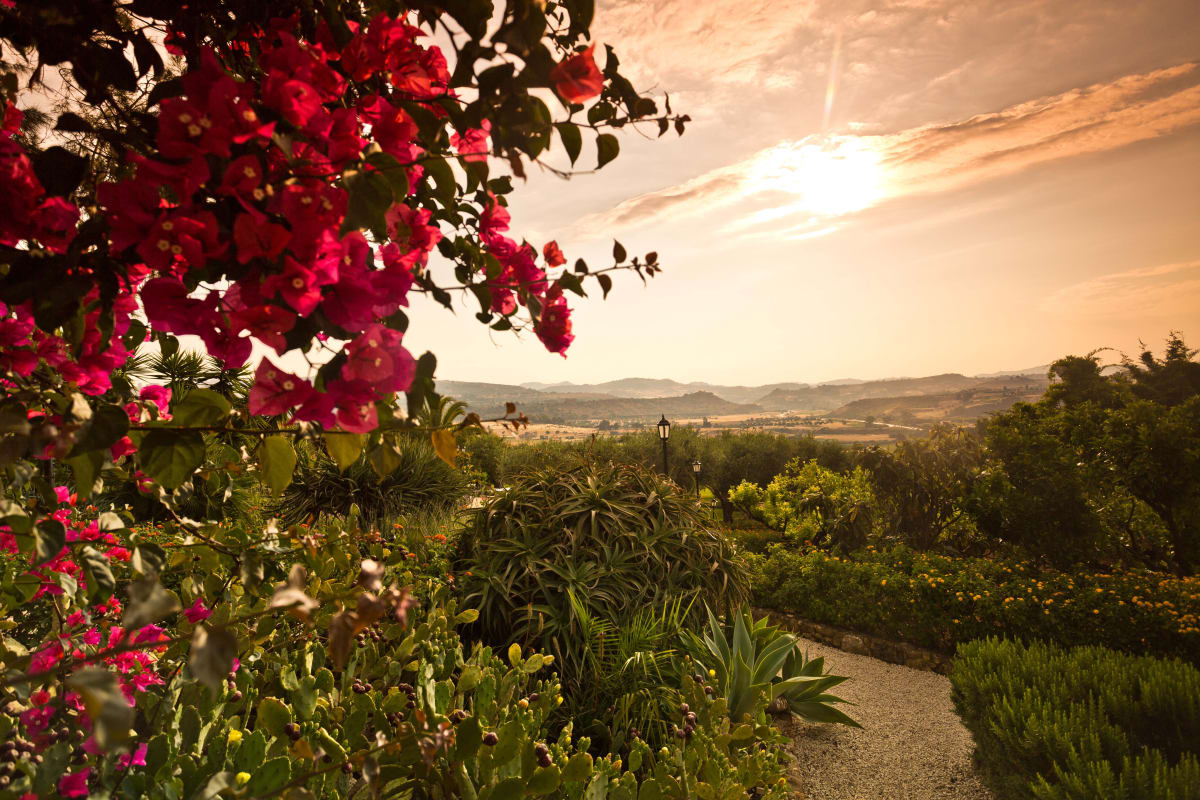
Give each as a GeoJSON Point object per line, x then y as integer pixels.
{"type": "Point", "coordinates": [863, 644]}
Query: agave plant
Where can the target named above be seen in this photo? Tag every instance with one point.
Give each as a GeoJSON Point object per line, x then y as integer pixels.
{"type": "Point", "coordinates": [756, 666]}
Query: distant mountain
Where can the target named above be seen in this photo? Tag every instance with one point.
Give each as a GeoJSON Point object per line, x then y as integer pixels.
{"type": "Point", "coordinates": [590, 409]}
{"type": "Point", "coordinates": [643, 398]}
{"type": "Point", "coordinates": [987, 396]}
{"type": "Point", "coordinates": [1038, 371]}
{"type": "Point", "coordinates": [661, 387]}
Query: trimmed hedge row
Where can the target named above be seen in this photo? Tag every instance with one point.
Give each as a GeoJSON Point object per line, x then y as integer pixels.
{"type": "Point", "coordinates": [1086, 722]}
{"type": "Point", "coordinates": [939, 602]}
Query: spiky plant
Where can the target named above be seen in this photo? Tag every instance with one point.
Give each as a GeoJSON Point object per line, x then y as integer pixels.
{"type": "Point", "coordinates": [620, 537]}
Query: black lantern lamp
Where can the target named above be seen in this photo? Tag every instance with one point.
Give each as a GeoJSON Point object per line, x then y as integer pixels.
{"type": "Point", "coordinates": [696, 473]}
{"type": "Point", "coordinates": [664, 433]}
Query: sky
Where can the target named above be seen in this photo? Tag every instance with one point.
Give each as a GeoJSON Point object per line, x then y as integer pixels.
{"type": "Point", "coordinates": [874, 190]}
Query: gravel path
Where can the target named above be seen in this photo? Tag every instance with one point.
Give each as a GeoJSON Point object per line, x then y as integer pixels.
{"type": "Point", "coordinates": [912, 746]}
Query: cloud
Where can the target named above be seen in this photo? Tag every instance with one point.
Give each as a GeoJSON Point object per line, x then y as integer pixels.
{"type": "Point", "coordinates": [830, 176]}
{"type": "Point", "coordinates": [1166, 290]}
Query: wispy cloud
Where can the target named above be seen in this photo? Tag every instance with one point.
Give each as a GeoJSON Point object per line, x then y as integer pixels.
{"type": "Point", "coordinates": [830, 176]}
{"type": "Point", "coordinates": [1166, 290]}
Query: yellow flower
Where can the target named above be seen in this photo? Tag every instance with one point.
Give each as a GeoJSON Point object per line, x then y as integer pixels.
{"type": "Point", "coordinates": [883, 582]}
{"type": "Point", "coordinates": [242, 778]}
{"type": "Point", "coordinates": [235, 737]}
{"type": "Point", "coordinates": [712, 673]}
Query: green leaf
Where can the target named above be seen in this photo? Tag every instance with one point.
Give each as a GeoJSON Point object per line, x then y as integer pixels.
{"type": "Point", "coordinates": [106, 427]}
{"type": "Point", "coordinates": [344, 448]}
{"type": "Point", "coordinates": [370, 196]}
{"type": "Point", "coordinates": [508, 789]}
{"type": "Point", "coordinates": [200, 408]}
{"type": "Point", "coordinates": [86, 469]}
{"type": "Point", "coordinates": [544, 780]}
{"type": "Point", "coordinates": [273, 716]}
{"type": "Point", "coordinates": [100, 581]}
{"type": "Point", "coordinates": [598, 788]}
{"type": "Point", "coordinates": [384, 459]}
{"type": "Point", "coordinates": [111, 715]}
{"type": "Point", "coordinates": [511, 735]}
{"type": "Point", "coordinates": [578, 768]}
{"type": "Point", "coordinates": [514, 654]}
{"type": "Point", "coordinates": [445, 187]}
{"type": "Point", "coordinates": [148, 602]}
{"type": "Point", "coordinates": [571, 138]}
{"type": "Point", "coordinates": [469, 679]}
{"type": "Point", "coordinates": [250, 754]}
{"type": "Point", "coordinates": [304, 699]}
{"type": "Point", "coordinates": [171, 457]}
{"type": "Point", "coordinates": [51, 538]}
{"type": "Point", "coordinates": [148, 558]}
{"type": "Point", "coordinates": [278, 461]}
{"type": "Point", "coordinates": [211, 659]}
{"type": "Point", "coordinates": [607, 148]}
{"type": "Point", "coordinates": [466, 617]}
{"type": "Point", "coordinates": [270, 776]}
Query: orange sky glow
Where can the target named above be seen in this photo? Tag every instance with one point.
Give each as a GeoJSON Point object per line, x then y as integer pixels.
{"type": "Point", "coordinates": [878, 189]}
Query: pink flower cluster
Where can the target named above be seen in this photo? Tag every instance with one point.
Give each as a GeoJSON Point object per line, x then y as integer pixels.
{"type": "Point", "coordinates": [231, 225]}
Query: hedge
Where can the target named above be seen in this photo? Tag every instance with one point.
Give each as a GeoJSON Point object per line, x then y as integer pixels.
{"type": "Point", "coordinates": [1058, 723]}
{"type": "Point", "coordinates": [939, 601]}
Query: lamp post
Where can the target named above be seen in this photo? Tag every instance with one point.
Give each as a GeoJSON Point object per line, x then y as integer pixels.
{"type": "Point", "coordinates": [696, 472]}
{"type": "Point", "coordinates": [664, 433]}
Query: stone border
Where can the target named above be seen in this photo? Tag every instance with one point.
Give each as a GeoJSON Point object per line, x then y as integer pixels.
{"type": "Point", "coordinates": [903, 653]}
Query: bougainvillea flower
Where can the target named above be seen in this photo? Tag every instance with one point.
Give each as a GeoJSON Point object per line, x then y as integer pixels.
{"type": "Point", "coordinates": [554, 325]}
{"type": "Point", "coordinates": [412, 229]}
{"type": "Point", "coordinates": [275, 391]}
{"type": "Point", "coordinates": [298, 286]}
{"type": "Point", "coordinates": [197, 611]}
{"type": "Point", "coordinates": [494, 219]}
{"type": "Point", "coordinates": [391, 127]}
{"type": "Point", "coordinates": [257, 238]}
{"type": "Point", "coordinates": [267, 323]}
{"type": "Point", "coordinates": [295, 100]}
{"type": "Point", "coordinates": [74, 784]}
{"type": "Point", "coordinates": [186, 131]}
{"type": "Point", "coordinates": [354, 406]}
{"type": "Point", "coordinates": [472, 145]}
{"type": "Point", "coordinates": [554, 257]}
{"type": "Point", "coordinates": [159, 396]}
{"type": "Point", "coordinates": [577, 78]}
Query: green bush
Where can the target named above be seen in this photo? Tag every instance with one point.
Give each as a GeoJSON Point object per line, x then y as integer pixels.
{"type": "Point", "coordinates": [1084, 722]}
{"type": "Point", "coordinates": [619, 538]}
{"type": "Point", "coordinates": [940, 601]}
{"type": "Point", "coordinates": [421, 482]}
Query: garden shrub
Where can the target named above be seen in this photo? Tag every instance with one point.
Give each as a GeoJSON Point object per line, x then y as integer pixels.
{"type": "Point", "coordinates": [1072, 723]}
{"type": "Point", "coordinates": [617, 537]}
{"type": "Point", "coordinates": [940, 601]}
{"type": "Point", "coordinates": [420, 481]}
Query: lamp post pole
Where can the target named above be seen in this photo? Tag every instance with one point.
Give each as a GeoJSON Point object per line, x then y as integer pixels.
{"type": "Point", "coordinates": [696, 474]}
{"type": "Point", "coordinates": [664, 433]}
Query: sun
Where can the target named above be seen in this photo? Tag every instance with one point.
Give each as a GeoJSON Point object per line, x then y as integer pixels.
{"type": "Point", "coordinates": [836, 176]}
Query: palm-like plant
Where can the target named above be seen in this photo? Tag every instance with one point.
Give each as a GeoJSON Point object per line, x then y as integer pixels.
{"type": "Point", "coordinates": [756, 666]}
{"type": "Point", "coordinates": [620, 537]}
{"type": "Point", "coordinates": [184, 370]}
{"type": "Point", "coordinates": [440, 412]}
{"type": "Point", "coordinates": [628, 671]}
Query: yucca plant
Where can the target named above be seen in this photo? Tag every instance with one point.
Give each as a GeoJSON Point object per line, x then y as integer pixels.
{"type": "Point", "coordinates": [756, 665]}
{"type": "Point", "coordinates": [620, 537]}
